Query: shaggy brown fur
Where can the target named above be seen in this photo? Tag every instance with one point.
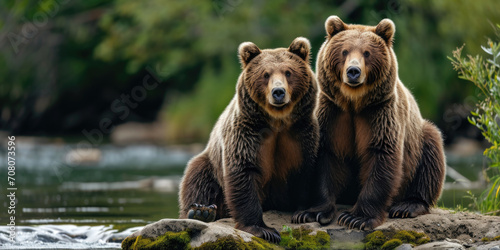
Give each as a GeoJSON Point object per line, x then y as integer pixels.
{"type": "Point", "coordinates": [376, 150]}
{"type": "Point", "coordinates": [262, 150]}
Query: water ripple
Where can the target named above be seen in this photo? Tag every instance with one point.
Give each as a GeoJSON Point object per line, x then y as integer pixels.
{"type": "Point", "coordinates": [64, 237]}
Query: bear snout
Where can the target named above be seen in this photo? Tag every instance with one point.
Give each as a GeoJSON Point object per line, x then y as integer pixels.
{"type": "Point", "coordinates": [353, 74]}
{"type": "Point", "coordinates": [278, 92]}
{"type": "Point", "coordinates": [278, 95]}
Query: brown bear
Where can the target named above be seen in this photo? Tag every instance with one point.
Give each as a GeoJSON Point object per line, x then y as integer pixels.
{"type": "Point", "coordinates": [376, 151]}
{"type": "Point", "coordinates": [261, 152]}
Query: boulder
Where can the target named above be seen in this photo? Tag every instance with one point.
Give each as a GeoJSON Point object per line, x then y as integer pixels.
{"type": "Point", "coordinates": [199, 232]}
{"type": "Point", "coordinates": [440, 245]}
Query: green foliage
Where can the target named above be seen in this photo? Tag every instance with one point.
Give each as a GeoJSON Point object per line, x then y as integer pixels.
{"type": "Point", "coordinates": [300, 238]}
{"type": "Point", "coordinates": [485, 74]}
{"type": "Point", "coordinates": [195, 113]}
{"type": "Point", "coordinates": [380, 240]}
{"type": "Point", "coordinates": [46, 56]}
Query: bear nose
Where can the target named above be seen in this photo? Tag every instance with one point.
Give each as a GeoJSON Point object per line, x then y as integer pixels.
{"type": "Point", "coordinates": [353, 73]}
{"type": "Point", "coordinates": [278, 94]}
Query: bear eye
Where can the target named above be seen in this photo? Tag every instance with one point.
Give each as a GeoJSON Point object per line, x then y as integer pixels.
{"type": "Point", "coordinates": [366, 54]}
{"type": "Point", "coordinates": [344, 53]}
{"type": "Point", "coordinates": [266, 75]}
{"type": "Point", "coordinates": [288, 74]}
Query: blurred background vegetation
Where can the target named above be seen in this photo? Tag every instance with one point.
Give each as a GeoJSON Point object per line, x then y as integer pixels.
{"type": "Point", "coordinates": [64, 64]}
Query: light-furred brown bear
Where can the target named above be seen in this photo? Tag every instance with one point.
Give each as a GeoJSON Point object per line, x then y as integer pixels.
{"type": "Point", "coordinates": [376, 151]}
{"type": "Point", "coordinates": [262, 150]}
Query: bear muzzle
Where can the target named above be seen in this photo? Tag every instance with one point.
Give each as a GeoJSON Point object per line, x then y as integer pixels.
{"type": "Point", "coordinates": [353, 76]}
{"type": "Point", "coordinates": [354, 70]}
{"type": "Point", "coordinates": [279, 96]}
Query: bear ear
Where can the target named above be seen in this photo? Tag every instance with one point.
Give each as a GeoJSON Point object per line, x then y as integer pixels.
{"type": "Point", "coordinates": [386, 30]}
{"type": "Point", "coordinates": [247, 51]}
{"type": "Point", "coordinates": [334, 25]}
{"type": "Point", "coordinates": [301, 47]}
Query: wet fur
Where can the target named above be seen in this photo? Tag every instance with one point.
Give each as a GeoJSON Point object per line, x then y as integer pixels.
{"type": "Point", "coordinates": [376, 151]}
{"type": "Point", "coordinates": [259, 157]}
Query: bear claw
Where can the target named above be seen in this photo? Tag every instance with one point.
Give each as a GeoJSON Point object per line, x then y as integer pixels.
{"type": "Point", "coordinates": [324, 218]}
{"type": "Point", "coordinates": [264, 232]}
{"type": "Point", "coordinates": [303, 217]}
{"type": "Point", "coordinates": [355, 222]}
{"type": "Point", "coordinates": [408, 210]}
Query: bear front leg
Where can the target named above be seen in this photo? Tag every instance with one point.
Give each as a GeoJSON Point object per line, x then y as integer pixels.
{"type": "Point", "coordinates": [381, 184]}
{"type": "Point", "coordinates": [200, 195]}
{"type": "Point", "coordinates": [326, 188]}
{"type": "Point", "coordinates": [242, 192]}
{"type": "Point", "coordinates": [380, 176]}
{"type": "Point", "coordinates": [303, 184]}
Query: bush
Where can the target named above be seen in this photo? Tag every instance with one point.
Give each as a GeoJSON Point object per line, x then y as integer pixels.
{"type": "Point", "coordinates": [485, 74]}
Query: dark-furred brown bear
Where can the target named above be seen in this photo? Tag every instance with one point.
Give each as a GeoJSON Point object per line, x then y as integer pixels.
{"type": "Point", "coordinates": [262, 150]}
{"type": "Point", "coordinates": [376, 151]}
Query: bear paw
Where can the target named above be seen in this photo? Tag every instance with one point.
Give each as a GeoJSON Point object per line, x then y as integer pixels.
{"type": "Point", "coordinates": [324, 218]}
{"type": "Point", "coordinates": [266, 233]}
{"type": "Point", "coordinates": [202, 212]}
{"type": "Point", "coordinates": [408, 209]}
{"type": "Point", "coordinates": [351, 221]}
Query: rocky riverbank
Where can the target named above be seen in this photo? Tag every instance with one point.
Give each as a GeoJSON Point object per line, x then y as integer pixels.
{"type": "Point", "coordinates": [443, 230]}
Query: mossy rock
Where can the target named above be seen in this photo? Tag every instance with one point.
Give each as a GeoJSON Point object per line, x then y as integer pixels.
{"type": "Point", "coordinates": [181, 240]}
{"type": "Point", "coordinates": [188, 234]}
{"type": "Point", "coordinates": [301, 238]}
{"type": "Point", "coordinates": [170, 240]}
{"type": "Point", "coordinates": [229, 242]}
{"type": "Point", "coordinates": [404, 236]}
{"type": "Point", "coordinates": [485, 239]}
{"type": "Point", "coordinates": [378, 239]}
{"type": "Point", "coordinates": [391, 244]}
{"type": "Point", "coordinates": [375, 240]}
{"type": "Point", "coordinates": [417, 234]}
{"type": "Point", "coordinates": [423, 240]}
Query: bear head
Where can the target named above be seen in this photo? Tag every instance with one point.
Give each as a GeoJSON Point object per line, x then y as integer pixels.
{"type": "Point", "coordinates": [276, 79]}
{"type": "Point", "coordinates": [357, 60]}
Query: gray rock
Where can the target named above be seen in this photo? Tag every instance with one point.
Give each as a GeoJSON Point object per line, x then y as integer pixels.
{"type": "Point", "coordinates": [490, 246]}
{"type": "Point", "coordinates": [169, 225]}
{"type": "Point", "coordinates": [440, 245]}
{"type": "Point", "coordinates": [343, 235]}
{"type": "Point", "coordinates": [202, 232]}
{"type": "Point", "coordinates": [215, 231]}
{"type": "Point", "coordinates": [404, 247]}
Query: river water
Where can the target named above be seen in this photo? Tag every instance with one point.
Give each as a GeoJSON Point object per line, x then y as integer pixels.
{"type": "Point", "coordinates": [63, 205]}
